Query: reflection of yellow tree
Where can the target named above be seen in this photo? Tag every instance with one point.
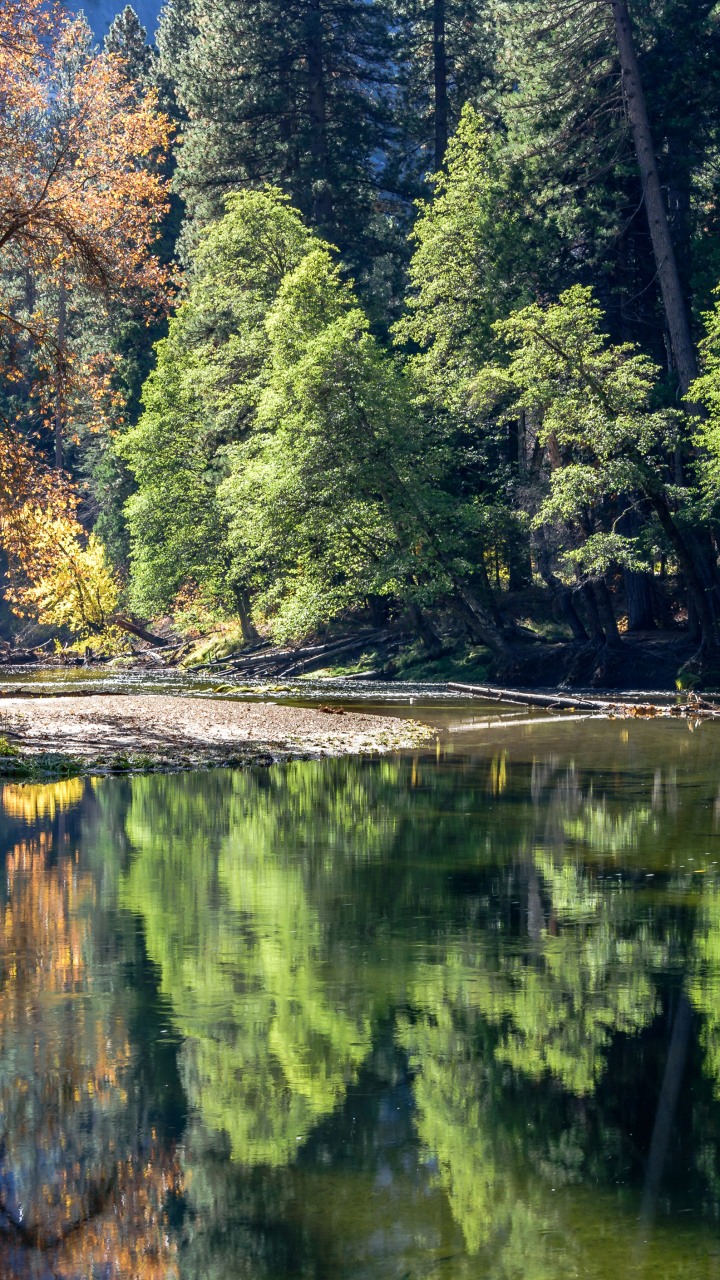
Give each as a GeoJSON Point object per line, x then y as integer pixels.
{"type": "Point", "coordinates": [240, 948]}
{"type": "Point", "coordinates": [69, 1183]}
{"type": "Point", "coordinates": [42, 800]}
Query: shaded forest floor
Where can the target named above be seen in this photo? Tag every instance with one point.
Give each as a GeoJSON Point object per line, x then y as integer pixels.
{"type": "Point", "coordinates": [544, 654]}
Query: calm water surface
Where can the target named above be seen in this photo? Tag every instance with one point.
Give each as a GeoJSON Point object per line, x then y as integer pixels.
{"type": "Point", "coordinates": [447, 1015]}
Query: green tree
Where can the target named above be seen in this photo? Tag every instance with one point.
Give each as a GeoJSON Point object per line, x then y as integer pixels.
{"type": "Point", "coordinates": [201, 396]}
{"type": "Point", "coordinates": [345, 487]}
{"type": "Point", "coordinates": [446, 58]}
{"type": "Point", "coordinates": [241, 951]}
{"type": "Point", "coordinates": [290, 94]}
{"type": "Point", "coordinates": [596, 405]}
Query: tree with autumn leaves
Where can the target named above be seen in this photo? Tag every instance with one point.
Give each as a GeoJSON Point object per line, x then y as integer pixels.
{"type": "Point", "coordinates": [81, 196]}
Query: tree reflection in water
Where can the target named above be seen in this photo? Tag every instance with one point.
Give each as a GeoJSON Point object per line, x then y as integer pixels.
{"type": "Point", "coordinates": [483, 958]}
{"type": "Point", "coordinates": [83, 1181]}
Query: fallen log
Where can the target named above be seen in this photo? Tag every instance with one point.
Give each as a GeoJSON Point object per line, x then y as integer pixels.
{"type": "Point", "coordinates": [140, 632]}
{"type": "Point", "coordinates": [18, 657]}
{"type": "Point", "coordinates": [530, 699]}
{"type": "Point", "coordinates": [356, 675]}
{"type": "Point", "coordinates": [244, 656]}
{"type": "Point", "coordinates": [332, 651]}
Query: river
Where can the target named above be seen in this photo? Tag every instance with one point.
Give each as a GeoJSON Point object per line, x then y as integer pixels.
{"type": "Point", "coordinates": [447, 1014]}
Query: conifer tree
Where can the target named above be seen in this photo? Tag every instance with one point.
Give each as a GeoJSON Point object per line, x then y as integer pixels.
{"type": "Point", "coordinates": [127, 38]}
{"type": "Point", "coordinates": [560, 98]}
{"type": "Point", "coordinates": [447, 55]}
{"type": "Point", "coordinates": [293, 94]}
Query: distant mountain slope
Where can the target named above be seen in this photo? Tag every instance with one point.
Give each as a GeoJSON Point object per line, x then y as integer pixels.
{"type": "Point", "coordinates": [100, 14]}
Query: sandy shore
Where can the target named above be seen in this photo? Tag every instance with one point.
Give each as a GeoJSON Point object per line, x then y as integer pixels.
{"type": "Point", "coordinates": [194, 730]}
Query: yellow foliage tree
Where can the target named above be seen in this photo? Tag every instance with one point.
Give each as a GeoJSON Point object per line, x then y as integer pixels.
{"type": "Point", "coordinates": [68, 582]}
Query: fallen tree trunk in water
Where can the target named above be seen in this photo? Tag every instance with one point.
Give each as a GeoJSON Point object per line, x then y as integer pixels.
{"type": "Point", "coordinates": [531, 699]}
{"type": "Point", "coordinates": [694, 708]}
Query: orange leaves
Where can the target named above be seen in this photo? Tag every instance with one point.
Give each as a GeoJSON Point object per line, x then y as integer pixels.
{"type": "Point", "coordinates": [85, 1180]}
{"type": "Point", "coordinates": [33, 500]}
{"type": "Point", "coordinates": [75, 196]}
{"type": "Point", "coordinates": [81, 197]}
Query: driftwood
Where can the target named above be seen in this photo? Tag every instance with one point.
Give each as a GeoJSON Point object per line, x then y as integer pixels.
{"type": "Point", "coordinates": [693, 708]}
{"type": "Point", "coordinates": [126, 625]}
{"type": "Point", "coordinates": [320, 659]}
{"type": "Point", "coordinates": [356, 675]}
{"type": "Point", "coordinates": [531, 699]}
{"type": "Point", "coordinates": [284, 663]}
{"type": "Point", "coordinates": [18, 657]}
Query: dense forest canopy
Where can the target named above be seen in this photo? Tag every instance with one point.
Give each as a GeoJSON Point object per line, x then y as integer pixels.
{"type": "Point", "coordinates": [325, 311]}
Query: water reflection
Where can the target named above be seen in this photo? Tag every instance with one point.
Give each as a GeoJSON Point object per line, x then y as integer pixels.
{"type": "Point", "coordinates": [81, 1179]}
{"type": "Point", "coordinates": [354, 1018]}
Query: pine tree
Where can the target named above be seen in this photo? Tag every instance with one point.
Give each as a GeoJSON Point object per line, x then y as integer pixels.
{"type": "Point", "coordinates": [292, 94]}
{"type": "Point", "coordinates": [560, 100]}
{"type": "Point", "coordinates": [109, 481]}
{"type": "Point", "coordinates": [446, 59]}
{"type": "Point", "coordinates": [128, 39]}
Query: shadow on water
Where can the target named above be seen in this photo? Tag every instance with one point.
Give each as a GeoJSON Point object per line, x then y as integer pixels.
{"type": "Point", "coordinates": [453, 1014]}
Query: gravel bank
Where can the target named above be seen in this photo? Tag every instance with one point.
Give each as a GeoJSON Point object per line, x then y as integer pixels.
{"type": "Point", "coordinates": [170, 730]}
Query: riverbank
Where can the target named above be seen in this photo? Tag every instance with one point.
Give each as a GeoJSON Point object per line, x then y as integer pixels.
{"type": "Point", "coordinates": [117, 732]}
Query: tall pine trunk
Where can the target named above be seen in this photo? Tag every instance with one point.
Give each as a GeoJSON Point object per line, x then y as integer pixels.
{"type": "Point", "coordinates": [440, 74]}
{"type": "Point", "coordinates": [322, 204]}
{"type": "Point", "coordinates": [663, 250]}
{"type": "Point", "coordinates": [672, 296]}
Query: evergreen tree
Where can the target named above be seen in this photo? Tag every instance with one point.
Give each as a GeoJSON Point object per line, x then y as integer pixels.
{"type": "Point", "coordinates": [291, 94]}
{"type": "Point", "coordinates": [127, 38]}
{"type": "Point", "coordinates": [108, 479]}
{"type": "Point", "coordinates": [559, 97]}
{"type": "Point", "coordinates": [446, 59]}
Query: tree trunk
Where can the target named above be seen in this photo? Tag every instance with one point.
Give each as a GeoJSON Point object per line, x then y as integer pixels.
{"type": "Point", "coordinates": [613, 639]}
{"type": "Point", "coordinates": [322, 207]}
{"type": "Point", "coordinates": [596, 632]}
{"type": "Point", "coordinates": [520, 566]}
{"type": "Point", "coordinates": [559, 590]}
{"type": "Point", "coordinates": [247, 626]}
{"type": "Point", "coordinates": [419, 622]}
{"type": "Point", "coordinates": [694, 632]}
{"type": "Point", "coordinates": [571, 616]}
{"type": "Point", "coordinates": [59, 378]}
{"type": "Point", "coordinates": [379, 607]}
{"type": "Point", "coordinates": [489, 633]}
{"type": "Point", "coordinates": [685, 560]}
{"type": "Point", "coordinates": [665, 262]}
{"type": "Point", "coordinates": [640, 607]}
{"type": "Point", "coordinates": [440, 73]}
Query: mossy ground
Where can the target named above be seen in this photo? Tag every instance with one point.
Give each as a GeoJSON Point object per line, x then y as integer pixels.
{"type": "Point", "coordinates": [44, 766]}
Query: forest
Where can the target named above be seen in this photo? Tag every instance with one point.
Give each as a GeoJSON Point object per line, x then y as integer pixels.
{"type": "Point", "coordinates": [342, 314]}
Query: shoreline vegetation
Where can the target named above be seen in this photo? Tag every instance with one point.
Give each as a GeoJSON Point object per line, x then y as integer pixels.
{"type": "Point", "coordinates": [412, 368]}
{"type": "Point", "coordinates": [542, 655]}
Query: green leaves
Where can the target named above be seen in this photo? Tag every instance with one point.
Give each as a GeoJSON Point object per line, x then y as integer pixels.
{"type": "Point", "coordinates": [202, 395]}
{"type": "Point", "coordinates": [593, 405]}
